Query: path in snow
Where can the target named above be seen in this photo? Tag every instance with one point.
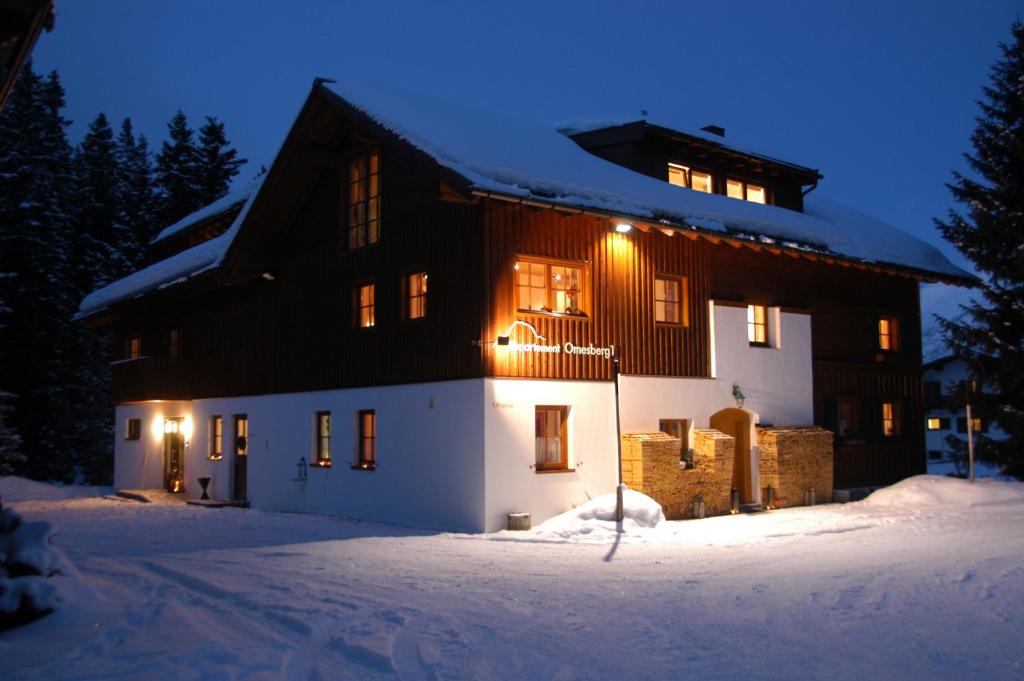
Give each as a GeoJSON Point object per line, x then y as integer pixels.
{"type": "Point", "coordinates": [834, 591]}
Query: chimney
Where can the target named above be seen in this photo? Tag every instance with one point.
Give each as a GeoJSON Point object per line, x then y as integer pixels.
{"type": "Point", "coordinates": [714, 130]}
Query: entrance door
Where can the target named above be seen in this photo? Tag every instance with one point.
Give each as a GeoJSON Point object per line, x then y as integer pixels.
{"type": "Point", "coordinates": [736, 422]}
{"type": "Point", "coordinates": [174, 455]}
{"type": "Point", "coordinates": [241, 456]}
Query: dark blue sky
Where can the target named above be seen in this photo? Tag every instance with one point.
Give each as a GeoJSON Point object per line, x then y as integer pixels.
{"type": "Point", "coordinates": [879, 96]}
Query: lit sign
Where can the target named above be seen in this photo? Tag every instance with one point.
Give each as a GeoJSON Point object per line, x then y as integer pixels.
{"type": "Point", "coordinates": [567, 347]}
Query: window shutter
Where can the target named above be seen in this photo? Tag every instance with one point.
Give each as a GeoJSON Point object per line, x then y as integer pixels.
{"type": "Point", "coordinates": [873, 338]}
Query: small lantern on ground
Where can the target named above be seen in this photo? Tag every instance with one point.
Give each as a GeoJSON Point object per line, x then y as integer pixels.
{"type": "Point", "coordinates": [769, 498]}
{"type": "Point", "coordinates": [734, 502]}
{"type": "Point", "coordinates": [809, 497]}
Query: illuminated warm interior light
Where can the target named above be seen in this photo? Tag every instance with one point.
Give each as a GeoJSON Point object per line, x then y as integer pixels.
{"type": "Point", "coordinates": [623, 227]}
{"type": "Point", "coordinates": [170, 426]}
{"type": "Point", "coordinates": [677, 175]}
{"type": "Point", "coordinates": [701, 182]}
{"type": "Point", "coordinates": [734, 189]}
{"type": "Point", "coordinates": [934, 424]}
{"type": "Point", "coordinates": [755, 194]}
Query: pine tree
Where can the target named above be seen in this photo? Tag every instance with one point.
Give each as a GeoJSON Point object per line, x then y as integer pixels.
{"type": "Point", "coordinates": [134, 221]}
{"type": "Point", "coordinates": [35, 232]}
{"type": "Point", "coordinates": [177, 172]}
{"type": "Point", "coordinates": [218, 162]}
{"type": "Point", "coordinates": [97, 253]}
{"type": "Point", "coordinates": [990, 234]}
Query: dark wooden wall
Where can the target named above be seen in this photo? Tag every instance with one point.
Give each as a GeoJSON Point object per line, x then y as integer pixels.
{"type": "Point", "coordinates": [621, 296]}
{"type": "Point", "coordinates": [845, 303]}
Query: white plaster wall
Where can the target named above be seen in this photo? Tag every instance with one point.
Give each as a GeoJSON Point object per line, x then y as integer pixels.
{"type": "Point", "coordinates": [429, 459]}
{"type": "Point", "coordinates": [139, 464]}
{"type": "Point", "coordinates": [512, 484]}
{"type": "Point", "coordinates": [777, 381]}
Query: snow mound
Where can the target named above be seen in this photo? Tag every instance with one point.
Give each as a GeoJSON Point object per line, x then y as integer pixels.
{"type": "Point", "coordinates": [598, 516]}
{"type": "Point", "coordinates": [933, 490]}
{"type": "Point", "coordinates": [13, 488]}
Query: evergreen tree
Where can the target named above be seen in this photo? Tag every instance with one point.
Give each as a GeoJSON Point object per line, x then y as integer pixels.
{"type": "Point", "coordinates": [97, 256]}
{"type": "Point", "coordinates": [35, 234]}
{"type": "Point", "coordinates": [990, 233]}
{"type": "Point", "coordinates": [177, 172]}
{"type": "Point", "coordinates": [218, 162]}
{"type": "Point", "coordinates": [134, 221]}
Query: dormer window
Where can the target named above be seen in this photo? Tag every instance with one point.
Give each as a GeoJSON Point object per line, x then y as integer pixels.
{"type": "Point", "coordinates": [684, 176]}
{"type": "Point", "coordinates": [737, 189]}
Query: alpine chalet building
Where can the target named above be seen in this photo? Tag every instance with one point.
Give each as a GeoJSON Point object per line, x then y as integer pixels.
{"type": "Point", "coordinates": [415, 317]}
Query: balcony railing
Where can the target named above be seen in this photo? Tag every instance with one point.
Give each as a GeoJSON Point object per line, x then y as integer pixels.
{"type": "Point", "coordinates": [151, 378]}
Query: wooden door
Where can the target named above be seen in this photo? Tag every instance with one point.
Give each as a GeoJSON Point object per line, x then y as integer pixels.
{"type": "Point", "coordinates": [736, 422]}
{"type": "Point", "coordinates": [241, 457]}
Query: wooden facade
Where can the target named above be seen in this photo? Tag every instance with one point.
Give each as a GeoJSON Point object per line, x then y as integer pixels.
{"type": "Point", "coordinates": [280, 315]}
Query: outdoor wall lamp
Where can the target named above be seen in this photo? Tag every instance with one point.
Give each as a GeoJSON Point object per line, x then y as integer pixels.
{"type": "Point", "coordinates": [623, 227]}
{"type": "Point", "coordinates": [738, 395]}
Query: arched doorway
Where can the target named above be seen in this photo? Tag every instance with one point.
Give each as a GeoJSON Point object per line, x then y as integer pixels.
{"type": "Point", "coordinates": [738, 423]}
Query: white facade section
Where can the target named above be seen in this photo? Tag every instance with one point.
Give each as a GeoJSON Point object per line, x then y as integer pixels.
{"type": "Point", "coordinates": [513, 484]}
{"type": "Point", "coordinates": [139, 464]}
{"type": "Point", "coordinates": [462, 454]}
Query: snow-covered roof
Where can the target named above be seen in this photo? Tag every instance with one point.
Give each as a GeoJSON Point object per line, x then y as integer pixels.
{"type": "Point", "coordinates": [517, 158]}
{"type": "Point", "coordinates": [583, 125]}
{"type": "Point", "coordinates": [218, 207]}
{"type": "Point", "coordinates": [177, 268]}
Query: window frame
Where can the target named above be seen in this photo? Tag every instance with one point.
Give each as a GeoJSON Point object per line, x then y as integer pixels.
{"type": "Point", "coordinates": [744, 185]}
{"type": "Point", "coordinates": [359, 307]}
{"type": "Point", "coordinates": [215, 446]}
{"type": "Point", "coordinates": [752, 325]}
{"type": "Point", "coordinates": [891, 419]}
{"type": "Point", "coordinates": [364, 462]}
{"type": "Point", "coordinates": [562, 465]}
{"type": "Point", "coordinates": [133, 346]}
{"type": "Point", "coordinates": [688, 176]}
{"type": "Point", "coordinates": [891, 336]}
{"type": "Point", "coordinates": [175, 349]}
{"type": "Point", "coordinates": [422, 296]}
{"type": "Point", "coordinates": [683, 302]}
{"type": "Point", "coordinates": [323, 440]}
{"type": "Point", "coordinates": [933, 423]}
{"type": "Point", "coordinates": [679, 428]}
{"type": "Point", "coordinates": [583, 298]}
{"type": "Point", "coordinates": [133, 429]}
{"type": "Point", "coordinates": [363, 230]}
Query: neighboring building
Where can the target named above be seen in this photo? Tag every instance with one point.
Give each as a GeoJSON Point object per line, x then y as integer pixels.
{"type": "Point", "coordinates": [944, 414]}
{"type": "Point", "coordinates": [21, 22]}
{"type": "Point", "coordinates": [423, 303]}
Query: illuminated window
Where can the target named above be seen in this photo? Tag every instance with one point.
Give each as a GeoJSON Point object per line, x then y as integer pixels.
{"type": "Point", "coordinates": [133, 429]}
{"type": "Point", "coordinates": [364, 200]}
{"type": "Point", "coordinates": [323, 439]}
{"type": "Point", "coordinates": [367, 440]}
{"type": "Point", "coordinates": [365, 300]}
{"type": "Point", "coordinates": [175, 344]}
{"type": "Point", "coordinates": [679, 428]}
{"type": "Point", "coordinates": [737, 189]}
{"type": "Point", "coordinates": [549, 286]}
{"type": "Point", "coordinates": [133, 349]}
{"type": "Point", "coordinates": [416, 285]}
{"type": "Point", "coordinates": [670, 300]}
{"type": "Point", "coordinates": [934, 424]}
{"type": "Point", "coordinates": [684, 176]}
{"type": "Point", "coordinates": [757, 324]}
{"type": "Point", "coordinates": [888, 334]}
{"type": "Point", "coordinates": [890, 419]}
{"type": "Point", "coordinates": [977, 425]}
{"type": "Point", "coordinates": [552, 442]}
{"type": "Point", "coordinates": [216, 449]}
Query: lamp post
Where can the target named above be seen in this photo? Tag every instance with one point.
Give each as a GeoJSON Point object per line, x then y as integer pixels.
{"type": "Point", "coordinates": [619, 513]}
{"type": "Point", "coordinates": [971, 389]}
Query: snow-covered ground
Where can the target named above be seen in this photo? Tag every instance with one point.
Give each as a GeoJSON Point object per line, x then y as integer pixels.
{"type": "Point", "coordinates": [921, 581]}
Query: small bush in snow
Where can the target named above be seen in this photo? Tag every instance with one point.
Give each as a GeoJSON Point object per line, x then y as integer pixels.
{"type": "Point", "coordinates": [27, 559]}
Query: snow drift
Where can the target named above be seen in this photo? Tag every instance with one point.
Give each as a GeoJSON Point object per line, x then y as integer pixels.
{"type": "Point", "coordinates": [932, 490]}
{"type": "Point", "coordinates": [597, 516]}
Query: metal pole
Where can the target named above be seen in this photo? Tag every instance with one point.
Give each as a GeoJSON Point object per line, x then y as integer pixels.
{"type": "Point", "coordinates": [619, 512]}
{"type": "Point", "coordinates": [970, 443]}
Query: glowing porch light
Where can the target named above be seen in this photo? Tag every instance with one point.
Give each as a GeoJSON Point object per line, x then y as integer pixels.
{"type": "Point", "coordinates": [623, 227]}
